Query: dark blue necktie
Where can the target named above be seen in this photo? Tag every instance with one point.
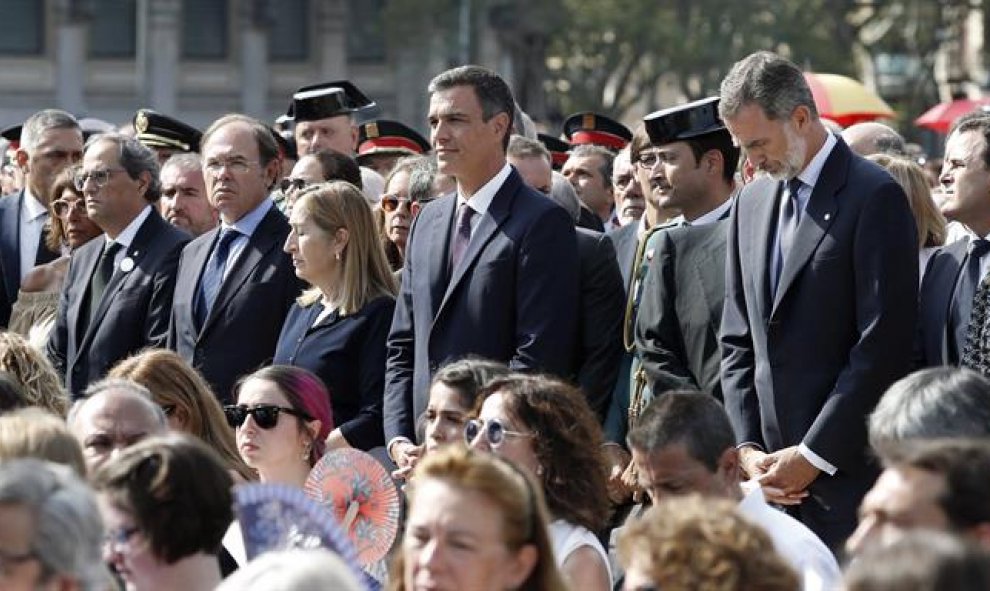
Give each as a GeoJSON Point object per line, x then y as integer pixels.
{"type": "Point", "coordinates": [790, 218]}
{"type": "Point", "coordinates": [209, 285]}
{"type": "Point", "coordinates": [969, 279]}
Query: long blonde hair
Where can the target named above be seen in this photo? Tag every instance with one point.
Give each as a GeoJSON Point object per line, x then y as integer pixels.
{"type": "Point", "coordinates": [366, 274]}
{"type": "Point", "coordinates": [911, 177]}
{"type": "Point", "coordinates": [173, 382]}
{"type": "Point", "coordinates": [34, 372]}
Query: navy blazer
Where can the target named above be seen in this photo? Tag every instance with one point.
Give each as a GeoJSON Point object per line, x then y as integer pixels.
{"type": "Point", "coordinates": [603, 304]}
{"type": "Point", "coordinates": [810, 364]}
{"type": "Point", "coordinates": [681, 308]}
{"type": "Point", "coordinates": [513, 298]}
{"type": "Point", "coordinates": [133, 313]}
{"type": "Point", "coordinates": [348, 354]}
{"type": "Point", "coordinates": [242, 329]}
{"type": "Point", "coordinates": [935, 303]}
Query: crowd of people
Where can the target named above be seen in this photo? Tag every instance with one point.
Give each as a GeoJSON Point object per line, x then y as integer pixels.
{"type": "Point", "coordinates": [734, 348]}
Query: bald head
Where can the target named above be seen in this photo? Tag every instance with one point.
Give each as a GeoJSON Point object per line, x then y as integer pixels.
{"type": "Point", "coordinates": [870, 138]}
{"type": "Point", "coordinates": [114, 415]}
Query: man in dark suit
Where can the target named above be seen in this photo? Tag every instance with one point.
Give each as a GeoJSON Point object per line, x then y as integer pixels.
{"type": "Point", "coordinates": [235, 283]}
{"type": "Point", "coordinates": [485, 273]}
{"type": "Point", "coordinates": [118, 292]}
{"type": "Point", "coordinates": [681, 306]}
{"type": "Point", "coordinates": [820, 298]}
{"type": "Point", "coordinates": [50, 141]}
{"type": "Point", "coordinates": [601, 296]}
{"type": "Point", "coordinates": [955, 271]}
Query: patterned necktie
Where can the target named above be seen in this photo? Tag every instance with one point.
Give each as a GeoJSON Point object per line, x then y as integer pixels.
{"type": "Point", "coordinates": [965, 294]}
{"type": "Point", "coordinates": [216, 265]}
{"type": "Point", "coordinates": [101, 277]}
{"type": "Point", "coordinates": [790, 218]}
{"type": "Point", "coordinates": [462, 236]}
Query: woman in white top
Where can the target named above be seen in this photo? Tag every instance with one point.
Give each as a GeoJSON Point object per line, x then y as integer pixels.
{"type": "Point", "coordinates": [546, 428]}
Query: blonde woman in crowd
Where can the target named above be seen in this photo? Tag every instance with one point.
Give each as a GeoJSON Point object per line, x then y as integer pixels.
{"type": "Point", "coordinates": [33, 432]}
{"type": "Point", "coordinates": [34, 372]}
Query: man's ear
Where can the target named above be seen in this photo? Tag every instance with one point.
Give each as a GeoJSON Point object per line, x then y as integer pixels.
{"type": "Point", "coordinates": [980, 533]}
{"type": "Point", "coordinates": [800, 117]}
{"type": "Point", "coordinates": [501, 121]}
{"type": "Point", "coordinates": [729, 466]}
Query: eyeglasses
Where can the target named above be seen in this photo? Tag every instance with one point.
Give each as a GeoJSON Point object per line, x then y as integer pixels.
{"type": "Point", "coordinates": [288, 184]}
{"type": "Point", "coordinates": [391, 203]}
{"type": "Point", "coordinates": [495, 432]}
{"type": "Point", "coordinates": [120, 536]}
{"type": "Point", "coordinates": [101, 177]}
{"type": "Point", "coordinates": [264, 415]}
{"type": "Point", "coordinates": [237, 165]}
{"type": "Point", "coordinates": [649, 159]}
{"type": "Point", "coordinates": [62, 207]}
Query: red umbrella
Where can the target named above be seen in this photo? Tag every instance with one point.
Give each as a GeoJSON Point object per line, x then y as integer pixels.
{"type": "Point", "coordinates": [941, 117]}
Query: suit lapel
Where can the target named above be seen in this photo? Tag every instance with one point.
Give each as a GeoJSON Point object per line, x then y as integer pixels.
{"type": "Point", "coordinates": [816, 220]}
{"type": "Point", "coordinates": [86, 257]}
{"type": "Point", "coordinates": [498, 210]}
{"type": "Point", "coordinates": [760, 230]}
{"type": "Point", "coordinates": [10, 236]}
{"type": "Point", "coordinates": [438, 237]}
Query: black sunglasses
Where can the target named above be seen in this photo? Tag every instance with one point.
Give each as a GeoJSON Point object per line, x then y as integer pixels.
{"type": "Point", "coordinates": [264, 415]}
{"type": "Point", "coordinates": [289, 183]}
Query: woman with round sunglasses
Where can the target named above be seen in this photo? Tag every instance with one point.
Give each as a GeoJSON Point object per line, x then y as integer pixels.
{"type": "Point", "coordinates": [546, 429]}
{"type": "Point", "coordinates": [166, 503]}
{"type": "Point", "coordinates": [33, 314]}
{"type": "Point", "coordinates": [188, 402]}
{"type": "Point", "coordinates": [337, 329]}
{"type": "Point", "coordinates": [281, 421]}
{"type": "Point", "coordinates": [319, 167]}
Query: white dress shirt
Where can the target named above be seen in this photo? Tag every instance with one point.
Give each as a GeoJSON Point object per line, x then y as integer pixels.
{"type": "Point", "coordinates": [34, 216]}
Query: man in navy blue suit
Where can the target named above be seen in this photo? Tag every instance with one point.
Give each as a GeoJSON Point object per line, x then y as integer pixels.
{"type": "Point", "coordinates": [50, 141]}
{"type": "Point", "coordinates": [820, 300]}
{"type": "Point", "coordinates": [490, 269]}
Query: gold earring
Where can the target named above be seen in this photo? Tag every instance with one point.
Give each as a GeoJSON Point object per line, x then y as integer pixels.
{"type": "Point", "coordinates": [336, 255]}
{"type": "Point", "coordinates": [305, 453]}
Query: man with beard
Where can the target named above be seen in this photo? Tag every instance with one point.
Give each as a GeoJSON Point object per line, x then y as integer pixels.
{"type": "Point", "coordinates": [184, 203]}
{"type": "Point", "coordinates": [820, 298]}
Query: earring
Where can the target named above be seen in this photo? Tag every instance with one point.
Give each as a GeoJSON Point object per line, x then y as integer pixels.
{"type": "Point", "coordinates": [305, 453]}
{"type": "Point", "coordinates": [336, 255]}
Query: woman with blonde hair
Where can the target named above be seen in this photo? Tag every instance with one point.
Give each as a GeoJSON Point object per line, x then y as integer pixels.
{"type": "Point", "coordinates": [701, 544]}
{"type": "Point", "coordinates": [475, 522]}
{"type": "Point", "coordinates": [187, 401]}
{"type": "Point", "coordinates": [931, 224]}
{"type": "Point", "coordinates": [33, 432]}
{"type": "Point", "coordinates": [337, 329]}
{"type": "Point", "coordinates": [42, 386]}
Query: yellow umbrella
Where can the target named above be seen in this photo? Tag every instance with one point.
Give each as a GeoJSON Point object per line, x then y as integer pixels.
{"type": "Point", "coordinates": [845, 100]}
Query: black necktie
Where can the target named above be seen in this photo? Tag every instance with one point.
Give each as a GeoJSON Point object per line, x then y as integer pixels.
{"type": "Point", "coordinates": [101, 277]}
{"type": "Point", "coordinates": [790, 218]}
{"type": "Point", "coordinates": [462, 236]}
{"type": "Point", "coordinates": [44, 254]}
{"type": "Point", "coordinates": [969, 280]}
{"type": "Point", "coordinates": [209, 285]}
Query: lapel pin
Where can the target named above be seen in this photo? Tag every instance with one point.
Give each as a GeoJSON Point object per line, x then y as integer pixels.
{"type": "Point", "coordinates": [827, 216]}
{"type": "Point", "coordinates": [127, 265]}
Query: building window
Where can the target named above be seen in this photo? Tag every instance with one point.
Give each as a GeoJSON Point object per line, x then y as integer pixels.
{"type": "Point", "coordinates": [22, 28]}
{"type": "Point", "coordinates": [113, 29]}
{"type": "Point", "coordinates": [288, 36]}
{"type": "Point", "coordinates": [366, 31]}
{"type": "Point", "coordinates": [204, 29]}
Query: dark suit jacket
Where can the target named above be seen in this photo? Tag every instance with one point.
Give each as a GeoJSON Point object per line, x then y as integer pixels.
{"type": "Point", "coordinates": [512, 299]}
{"type": "Point", "coordinates": [242, 329]}
{"type": "Point", "coordinates": [602, 307]}
{"type": "Point", "coordinates": [348, 354]}
{"type": "Point", "coordinates": [681, 309]}
{"type": "Point", "coordinates": [809, 365]}
{"type": "Point", "coordinates": [133, 313]}
{"type": "Point", "coordinates": [625, 241]}
{"type": "Point", "coordinates": [935, 303]}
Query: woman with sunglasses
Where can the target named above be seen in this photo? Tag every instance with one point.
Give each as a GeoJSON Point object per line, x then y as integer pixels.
{"type": "Point", "coordinates": [316, 168]}
{"type": "Point", "coordinates": [166, 503]}
{"type": "Point", "coordinates": [337, 329]}
{"type": "Point", "coordinates": [546, 429]}
{"type": "Point", "coordinates": [408, 187]}
{"type": "Point", "coordinates": [33, 314]}
{"type": "Point", "coordinates": [281, 421]}
{"type": "Point", "coordinates": [187, 401]}
{"type": "Point", "coordinates": [474, 522]}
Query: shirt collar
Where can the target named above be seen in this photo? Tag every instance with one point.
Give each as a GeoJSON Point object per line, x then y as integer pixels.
{"type": "Point", "coordinates": [714, 215]}
{"type": "Point", "coordinates": [482, 198]}
{"type": "Point", "coordinates": [32, 208]}
{"type": "Point", "coordinates": [809, 176]}
{"type": "Point", "coordinates": [126, 237]}
{"type": "Point", "coordinates": [249, 222]}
